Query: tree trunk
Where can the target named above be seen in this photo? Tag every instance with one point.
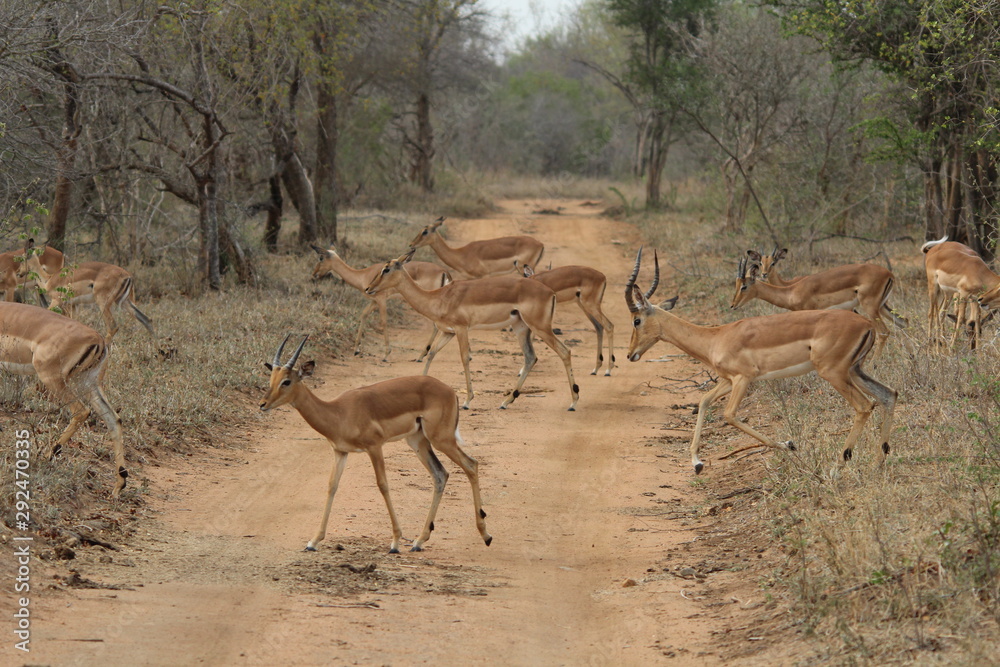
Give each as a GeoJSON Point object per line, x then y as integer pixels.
{"type": "Point", "coordinates": [65, 161]}
{"type": "Point", "coordinates": [657, 159]}
{"type": "Point", "coordinates": [933, 201]}
{"type": "Point", "coordinates": [274, 209]}
{"type": "Point", "coordinates": [327, 177]}
{"type": "Point", "coordinates": [423, 150]}
{"type": "Point", "coordinates": [297, 184]}
{"type": "Point", "coordinates": [208, 218]}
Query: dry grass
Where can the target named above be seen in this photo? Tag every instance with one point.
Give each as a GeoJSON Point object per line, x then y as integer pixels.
{"type": "Point", "coordinates": [899, 563]}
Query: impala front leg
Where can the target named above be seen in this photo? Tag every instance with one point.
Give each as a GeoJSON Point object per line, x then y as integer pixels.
{"type": "Point", "coordinates": [339, 461]}
{"type": "Point", "coordinates": [372, 305]}
{"type": "Point", "coordinates": [463, 351]}
{"type": "Point", "coordinates": [723, 388]}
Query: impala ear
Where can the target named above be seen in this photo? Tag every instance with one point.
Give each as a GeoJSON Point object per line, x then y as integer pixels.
{"type": "Point", "coordinates": [780, 254]}
{"type": "Point", "coordinates": [408, 256]}
{"type": "Point", "coordinates": [669, 303]}
{"type": "Point", "coordinates": [754, 255]}
{"type": "Point", "coordinates": [306, 369]}
{"type": "Point", "coordinates": [437, 223]}
{"type": "Point", "coordinates": [753, 272]}
{"type": "Point", "coordinates": [319, 251]}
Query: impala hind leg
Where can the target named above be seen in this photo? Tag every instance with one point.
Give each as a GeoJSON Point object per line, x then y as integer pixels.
{"type": "Point", "coordinates": [339, 461]}
{"type": "Point", "coordinates": [450, 444]}
{"type": "Point", "coordinates": [100, 405]}
{"type": "Point", "coordinates": [422, 446]}
{"type": "Point", "coordinates": [549, 338]}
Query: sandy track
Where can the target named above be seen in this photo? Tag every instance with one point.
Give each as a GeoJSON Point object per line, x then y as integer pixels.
{"type": "Point", "coordinates": [583, 507]}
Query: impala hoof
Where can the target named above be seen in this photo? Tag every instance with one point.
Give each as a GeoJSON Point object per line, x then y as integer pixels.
{"type": "Point", "coordinates": [416, 547]}
{"type": "Point", "coordinates": [698, 467]}
{"type": "Point", "coordinates": [790, 445]}
{"type": "Point", "coordinates": [394, 550]}
{"type": "Point", "coordinates": [309, 547]}
{"type": "Point", "coordinates": [488, 540]}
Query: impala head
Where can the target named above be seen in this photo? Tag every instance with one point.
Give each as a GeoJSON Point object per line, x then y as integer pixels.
{"type": "Point", "coordinates": [425, 235]}
{"type": "Point", "coordinates": [746, 276]}
{"type": "Point", "coordinates": [645, 325]}
{"type": "Point", "coordinates": [767, 262]}
{"type": "Point", "coordinates": [324, 266]}
{"type": "Point", "coordinates": [44, 261]}
{"type": "Point", "coordinates": [390, 275]}
{"type": "Point", "coordinates": [990, 300]}
{"type": "Point", "coordinates": [284, 378]}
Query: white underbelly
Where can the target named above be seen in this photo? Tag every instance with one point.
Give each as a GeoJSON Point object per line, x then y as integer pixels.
{"type": "Point", "coordinates": [847, 305]}
{"type": "Point", "coordinates": [789, 372]}
{"type": "Point", "coordinates": [19, 369]}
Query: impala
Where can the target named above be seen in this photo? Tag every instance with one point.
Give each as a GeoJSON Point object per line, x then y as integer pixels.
{"type": "Point", "coordinates": [427, 274]}
{"type": "Point", "coordinates": [586, 286]}
{"type": "Point", "coordinates": [768, 266]}
{"type": "Point", "coordinates": [69, 358]}
{"type": "Point", "coordinates": [14, 269]}
{"type": "Point", "coordinates": [834, 343]}
{"type": "Point", "coordinates": [481, 259]}
{"type": "Point", "coordinates": [104, 285]}
{"type": "Point", "coordinates": [862, 286]}
{"type": "Point", "coordinates": [485, 303]}
{"type": "Point", "coordinates": [420, 409]}
{"type": "Point", "coordinates": [955, 269]}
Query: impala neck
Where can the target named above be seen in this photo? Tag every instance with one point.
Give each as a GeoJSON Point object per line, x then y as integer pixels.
{"type": "Point", "coordinates": [355, 277]}
{"type": "Point", "coordinates": [774, 294]}
{"type": "Point", "coordinates": [694, 340]}
{"type": "Point", "coordinates": [450, 255]}
{"type": "Point", "coordinates": [420, 300]}
{"type": "Point", "coordinates": [319, 414]}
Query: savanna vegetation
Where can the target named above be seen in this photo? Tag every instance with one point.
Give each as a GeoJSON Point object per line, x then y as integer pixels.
{"type": "Point", "coordinates": [204, 145]}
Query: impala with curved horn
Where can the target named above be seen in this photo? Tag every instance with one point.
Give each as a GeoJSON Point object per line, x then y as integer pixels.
{"type": "Point", "coordinates": [14, 267]}
{"type": "Point", "coordinates": [834, 343]}
{"type": "Point", "coordinates": [481, 259]}
{"type": "Point", "coordinates": [69, 358]}
{"type": "Point", "coordinates": [524, 305]}
{"type": "Point", "coordinates": [421, 410]}
{"type": "Point", "coordinates": [586, 286]}
{"type": "Point", "coordinates": [862, 286]}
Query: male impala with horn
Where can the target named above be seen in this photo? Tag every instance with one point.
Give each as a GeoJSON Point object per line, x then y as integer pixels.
{"type": "Point", "coordinates": [834, 343]}
{"type": "Point", "coordinates": [422, 410]}
{"type": "Point", "coordinates": [480, 259]}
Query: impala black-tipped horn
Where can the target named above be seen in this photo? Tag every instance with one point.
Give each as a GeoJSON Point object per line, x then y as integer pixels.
{"type": "Point", "coordinates": [774, 253]}
{"type": "Point", "coordinates": [741, 270]}
{"type": "Point", "coordinates": [656, 277]}
{"type": "Point", "coordinates": [630, 285]}
{"type": "Point", "coordinates": [277, 355]}
{"type": "Point", "coordinates": [295, 356]}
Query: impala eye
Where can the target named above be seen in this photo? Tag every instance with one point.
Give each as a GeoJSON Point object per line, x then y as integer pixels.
{"type": "Point", "coordinates": [636, 322]}
{"type": "Point", "coordinates": [743, 288]}
{"type": "Point", "coordinates": [286, 382]}
{"type": "Point", "coordinates": [385, 270]}
{"type": "Point", "coordinates": [423, 233]}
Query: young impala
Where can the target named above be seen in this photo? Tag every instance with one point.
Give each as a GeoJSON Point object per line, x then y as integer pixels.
{"type": "Point", "coordinates": [427, 274]}
{"type": "Point", "coordinates": [525, 305]}
{"type": "Point", "coordinates": [862, 286]}
{"type": "Point", "coordinates": [481, 259]}
{"type": "Point", "coordinates": [834, 343]}
{"type": "Point", "coordinates": [586, 286]}
{"type": "Point", "coordinates": [421, 410]}
{"type": "Point", "coordinates": [954, 269]}
{"type": "Point", "coordinates": [69, 358]}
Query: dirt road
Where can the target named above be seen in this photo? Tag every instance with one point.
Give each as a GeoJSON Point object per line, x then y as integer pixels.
{"type": "Point", "coordinates": [593, 513]}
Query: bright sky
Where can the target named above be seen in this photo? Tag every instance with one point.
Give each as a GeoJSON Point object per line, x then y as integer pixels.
{"type": "Point", "coordinates": [529, 17]}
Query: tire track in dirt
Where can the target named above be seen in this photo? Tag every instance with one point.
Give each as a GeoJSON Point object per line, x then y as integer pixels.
{"type": "Point", "coordinates": [574, 502]}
